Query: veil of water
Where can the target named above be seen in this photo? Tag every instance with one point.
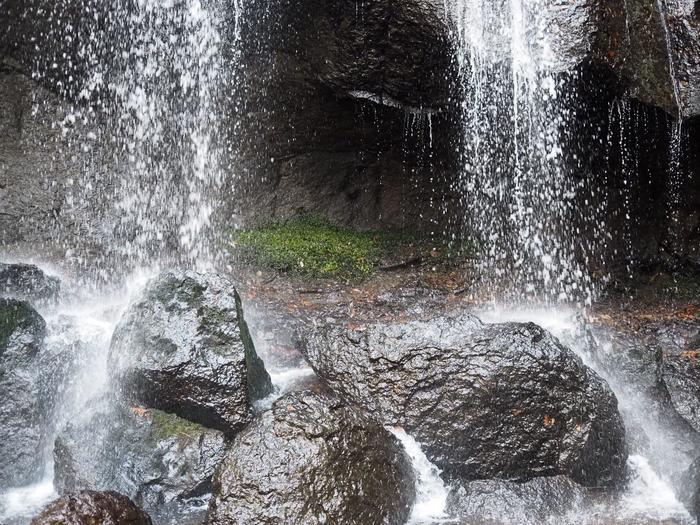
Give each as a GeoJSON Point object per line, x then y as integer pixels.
{"type": "Point", "coordinates": [515, 183]}
{"type": "Point", "coordinates": [159, 83]}
{"type": "Point", "coordinates": [156, 104]}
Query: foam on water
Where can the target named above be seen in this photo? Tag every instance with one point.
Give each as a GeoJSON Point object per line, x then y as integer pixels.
{"type": "Point", "coordinates": [649, 495]}
{"type": "Point", "coordinates": [23, 502]}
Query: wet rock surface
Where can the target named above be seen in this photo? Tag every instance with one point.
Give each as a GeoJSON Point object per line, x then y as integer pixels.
{"type": "Point", "coordinates": [91, 508]}
{"type": "Point", "coordinates": [493, 502]}
{"type": "Point", "coordinates": [22, 425]}
{"type": "Point", "coordinates": [679, 376]}
{"type": "Point", "coordinates": [690, 489]}
{"type": "Point", "coordinates": [184, 348]}
{"type": "Point", "coordinates": [654, 48]}
{"type": "Point", "coordinates": [311, 459]}
{"type": "Point", "coordinates": [486, 401]}
{"type": "Point", "coordinates": [28, 282]}
{"type": "Point", "coordinates": [164, 463]}
{"type": "Point", "coordinates": [384, 71]}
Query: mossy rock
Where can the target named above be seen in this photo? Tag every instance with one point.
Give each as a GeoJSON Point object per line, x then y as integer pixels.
{"type": "Point", "coordinates": [166, 425]}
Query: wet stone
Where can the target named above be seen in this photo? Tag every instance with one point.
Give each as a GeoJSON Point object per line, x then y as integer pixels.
{"type": "Point", "coordinates": [312, 459]}
{"type": "Point", "coordinates": [485, 401]}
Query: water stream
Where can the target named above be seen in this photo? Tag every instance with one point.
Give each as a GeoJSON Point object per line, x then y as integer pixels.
{"type": "Point", "coordinates": [79, 331]}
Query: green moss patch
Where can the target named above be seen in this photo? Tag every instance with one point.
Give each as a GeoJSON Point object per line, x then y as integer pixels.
{"type": "Point", "coordinates": [310, 246]}
{"type": "Point", "coordinates": [167, 425]}
{"type": "Point", "coordinates": [315, 247]}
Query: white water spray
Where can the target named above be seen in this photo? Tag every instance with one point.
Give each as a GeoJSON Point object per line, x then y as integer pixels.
{"type": "Point", "coordinates": [515, 183]}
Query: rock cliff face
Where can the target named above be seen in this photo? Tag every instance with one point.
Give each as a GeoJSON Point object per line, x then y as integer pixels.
{"type": "Point", "coordinates": [654, 48]}
{"type": "Point", "coordinates": [345, 110]}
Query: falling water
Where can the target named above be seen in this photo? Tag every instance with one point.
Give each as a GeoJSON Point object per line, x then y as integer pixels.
{"type": "Point", "coordinates": [159, 86]}
{"type": "Point", "coordinates": [152, 95]}
{"type": "Point", "coordinates": [515, 181]}
{"type": "Point", "coordinates": [168, 120]}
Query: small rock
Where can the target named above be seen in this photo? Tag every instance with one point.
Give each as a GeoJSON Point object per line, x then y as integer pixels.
{"type": "Point", "coordinates": [679, 375]}
{"type": "Point", "coordinates": [496, 502]}
{"type": "Point", "coordinates": [92, 508]}
{"type": "Point", "coordinates": [22, 332]}
{"type": "Point", "coordinates": [28, 282]}
{"type": "Point", "coordinates": [163, 462]}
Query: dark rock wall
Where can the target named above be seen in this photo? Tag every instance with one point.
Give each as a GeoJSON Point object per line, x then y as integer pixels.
{"type": "Point", "coordinates": [51, 166]}
{"type": "Point", "coordinates": [348, 112]}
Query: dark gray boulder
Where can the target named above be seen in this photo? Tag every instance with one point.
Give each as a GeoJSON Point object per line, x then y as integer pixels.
{"type": "Point", "coordinates": [22, 332]}
{"type": "Point", "coordinates": [28, 282]}
{"type": "Point", "coordinates": [485, 401]}
{"type": "Point", "coordinates": [89, 507]}
{"type": "Point", "coordinates": [495, 502]}
{"type": "Point", "coordinates": [163, 462]}
{"type": "Point", "coordinates": [679, 377]}
{"type": "Point", "coordinates": [311, 459]}
{"type": "Point", "coordinates": [183, 347]}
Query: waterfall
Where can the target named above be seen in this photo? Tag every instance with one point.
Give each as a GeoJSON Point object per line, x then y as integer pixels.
{"type": "Point", "coordinates": [159, 82]}
{"type": "Point", "coordinates": [524, 205]}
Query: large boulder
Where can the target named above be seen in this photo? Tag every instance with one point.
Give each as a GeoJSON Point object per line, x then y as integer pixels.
{"type": "Point", "coordinates": [313, 460]}
{"type": "Point", "coordinates": [89, 507]}
{"type": "Point", "coordinates": [485, 401]}
{"type": "Point", "coordinates": [183, 347]}
{"type": "Point", "coordinates": [28, 282]}
{"type": "Point", "coordinates": [22, 332]}
{"type": "Point", "coordinates": [679, 377]}
{"type": "Point", "coordinates": [163, 462]}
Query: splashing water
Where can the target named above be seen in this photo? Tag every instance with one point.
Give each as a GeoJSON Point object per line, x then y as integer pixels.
{"type": "Point", "coordinates": [431, 492]}
{"type": "Point", "coordinates": [522, 200]}
{"type": "Point", "coordinates": [168, 120]}
{"type": "Point", "coordinates": [79, 331]}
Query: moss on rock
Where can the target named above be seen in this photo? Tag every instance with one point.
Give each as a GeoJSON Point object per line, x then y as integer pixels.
{"type": "Point", "coordinates": [166, 425]}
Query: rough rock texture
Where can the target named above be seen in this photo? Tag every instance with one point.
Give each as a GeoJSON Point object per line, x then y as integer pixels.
{"type": "Point", "coordinates": [22, 332]}
{"type": "Point", "coordinates": [313, 460]}
{"type": "Point", "coordinates": [494, 502]}
{"type": "Point", "coordinates": [654, 47]}
{"type": "Point", "coordinates": [47, 147]}
{"type": "Point", "coordinates": [383, 71]}
{"type": "Point", "coordinates": [690, 488]}
{"type": "Point", "coordinates": [88, 507]}
{"type": "Point", "coordinates": [504, 401]}
{"type": "Point", "coordinates": [183, 347]}
{"type": "Point", "coordinates": [28, 282]}
{"type": "Point", "coordinates": [679, 377]}
{"type": "Point", "coordinates": [161, 461]}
